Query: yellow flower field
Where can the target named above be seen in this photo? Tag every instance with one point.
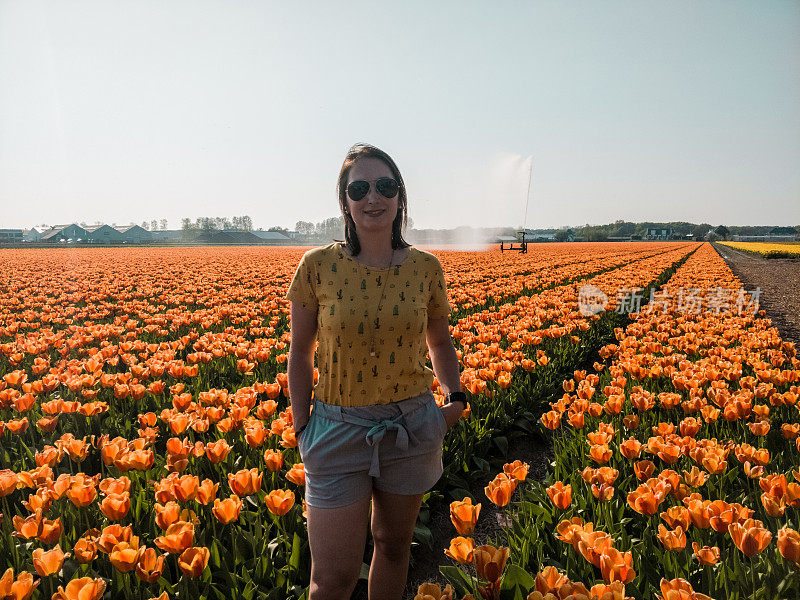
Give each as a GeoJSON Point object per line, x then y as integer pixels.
{"type": "Point", "coordinates": [768, 249]}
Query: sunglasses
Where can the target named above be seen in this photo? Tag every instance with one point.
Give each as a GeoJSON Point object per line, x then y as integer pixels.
{"type": "Point", "coordinates": [386, 187]}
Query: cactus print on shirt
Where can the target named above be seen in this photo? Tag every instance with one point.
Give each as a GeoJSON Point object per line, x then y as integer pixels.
{"type": "Point", "coordinates": [345, 294]}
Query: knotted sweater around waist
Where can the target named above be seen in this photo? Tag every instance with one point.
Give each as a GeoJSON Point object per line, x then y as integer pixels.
{"type": "Point", "coordinates": [378, 420]}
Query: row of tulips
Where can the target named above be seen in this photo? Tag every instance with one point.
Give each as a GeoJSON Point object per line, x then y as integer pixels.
{"type": "Point", "coordinates": [676, 457]}
{"type": "Point", "coordinates": [180, 389]}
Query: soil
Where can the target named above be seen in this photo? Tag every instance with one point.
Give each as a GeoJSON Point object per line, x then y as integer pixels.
{"type": "Point", "coordinates": [779, 280]}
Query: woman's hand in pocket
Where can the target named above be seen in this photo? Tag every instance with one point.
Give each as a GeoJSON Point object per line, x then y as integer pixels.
{"type": "Point", "coordinates": [452, 413]}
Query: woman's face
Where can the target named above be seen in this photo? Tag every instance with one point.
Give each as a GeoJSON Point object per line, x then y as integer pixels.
{"type": "Point", "coordinates": [374, 213]}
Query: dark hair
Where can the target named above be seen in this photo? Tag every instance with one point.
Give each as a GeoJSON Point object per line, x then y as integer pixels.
{"type": "Point", "coordinates": [355, 153]}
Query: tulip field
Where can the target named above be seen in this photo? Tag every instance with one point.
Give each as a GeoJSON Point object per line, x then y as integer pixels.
{"type": "Point", "coordinates": [767, 249]}
{"type": "Point", "coordinates": [147, 448]}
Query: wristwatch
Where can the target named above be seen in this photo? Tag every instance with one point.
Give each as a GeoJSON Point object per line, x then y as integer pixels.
{"type": "Point", "coordinates": [458, 397]}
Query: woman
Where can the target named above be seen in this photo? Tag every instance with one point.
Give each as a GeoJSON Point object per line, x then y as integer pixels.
{"type": "Point", "coordinates": [373, 441]}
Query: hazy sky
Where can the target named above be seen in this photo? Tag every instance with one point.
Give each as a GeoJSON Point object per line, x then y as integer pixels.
{"type": "Point", "coordinates": [125, 111]}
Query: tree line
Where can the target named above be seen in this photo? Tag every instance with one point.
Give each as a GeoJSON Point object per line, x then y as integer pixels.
{"type": "Point", "coordinates": [243, 223]}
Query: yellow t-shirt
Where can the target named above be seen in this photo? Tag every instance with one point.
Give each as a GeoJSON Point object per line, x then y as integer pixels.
{"type": "Point", "coordinates": [351, 318]}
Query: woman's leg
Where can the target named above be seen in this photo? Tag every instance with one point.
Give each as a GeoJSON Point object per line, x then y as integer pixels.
{"type": "Point", "coordinates": [337, 537]}
{"type": "Point", "coordinates": [393, 520]}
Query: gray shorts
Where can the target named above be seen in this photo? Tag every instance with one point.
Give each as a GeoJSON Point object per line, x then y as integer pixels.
{"type": "Point", "coordinates": [395, 447]}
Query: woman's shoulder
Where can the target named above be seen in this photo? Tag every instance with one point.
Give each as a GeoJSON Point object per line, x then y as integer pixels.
{"type": "Point", "coordinates": [323, 254]}
{"type": "Point", "coordinates": [423, 257]}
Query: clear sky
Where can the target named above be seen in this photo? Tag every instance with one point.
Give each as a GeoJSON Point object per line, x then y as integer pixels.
{"type": "Point", "coordinates": [121, 111]}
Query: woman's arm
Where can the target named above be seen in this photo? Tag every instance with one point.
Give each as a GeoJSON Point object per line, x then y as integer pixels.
{"type": "Point", "coordinates": [301, 362]}
{"type": "Point", "coordinates": [445, 363]}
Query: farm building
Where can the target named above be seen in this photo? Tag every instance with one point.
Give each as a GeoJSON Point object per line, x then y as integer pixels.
{"type": "Point", "coordinates": [32, 235]}
{"type": "Point", "coordinates": [64, 234]}
{"type": "Point", "coordinates": [134, 234]}
{"type": "Point", "coordinates": [11, 236]}
{"type": "Point", "coordinates": [103, 234]}
{"type": "Point", "coordinates": [659, 233]}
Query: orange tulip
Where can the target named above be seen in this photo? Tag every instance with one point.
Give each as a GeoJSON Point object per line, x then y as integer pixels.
{"type": "Point", "coordinates": [297, 474]}
{"type": "Point", "coordinates": [552, 419]}
{"type": "Point", "coordinates": [577, 419]}
{"type": "Point", "coordinates": [698, 512]}
{"type": "Point", "coordinates": [604, 492]}
{"type": "Point", "coordinates": [790, 431]}
{"type": "Point", "coordinates": [217, 451]}
{"type": "Point", "coordinates": [273, 460]}
{"type": "Point", "coordinates": [720, 515]}
{"type": "Point", "coordinates": [560, 495]}
{"type": "Point", "coordinates": [550, 580]}
{"type": "Point", "coordinates": [279, 501]}
{"type": "Point", "coordinates": [592, 545]}
{"type": "Point", "coordinates": [500, 490]}
{"type": "Point", "coordinates": [644, 469]}
{"type": "Point", "coordinates": [255, 435]}
{"type": "Point", "coordinates": [789, 544]}
{"type": "Point", "coordinates": [490, 562]}
{"type": "Point", "coordinates": [774, 507]}
{"type": "Point", "coordinates": [245, 482]}
{"type": "Point", "coordinates": [21, 589]}
{"type": "Point", "coordinates": [288, 439]}
{"type": "Point", "coordinates": [8, 482]}
{"type": "Point", "coordinates": [433, 591]}
{"type": "Point", "coordinates": [461, 549]}
{"type": "Point", "coordinates": [706, 555]}
{"type": "Point", "coordinates": [227, 510]}
{"type": "Point", "coordinates": [569, 529]}
{"type": "Point", "coordinates": [47, 563]}
{"type": "Point", "coordinates": [631, 421]}
{"type": "Point", "coordinates": [82, 492]}
{"type": "Point", "coordinates": [750, 537]}
{"type": "Point", "coordinates": [150, 565]}
{"type": "Point", "coordinates": [125, 555]}
{"type": "Point", "coordinates": [167, 514]}
{"type": "Point", "coordinates": [617, 566]}
{"type": "Point", "coordinates": [464, 515]}
{"type": "Point", "coordinates": [679, 589]}
{"type": "Point", "coordinates": [193, 561]}
{"type": "Point", "coordinates": [672, 539]}
{"type": "Point", "coordinates": [185, 487]}
{"type": "Point", "coordinates": [85, 550]}
{"type": "Point", "coordinates": [84, 588]}
{"type": "Point", "coordinates": [644, 501]}
{"type": "Point", "coordinates": [116, 506]}
{"type": "Point", "coordinates": [206, 492]}
{"type": "Point", "coordinates": [600, 453]}
{"type": "Point", "coordinates": [631, 448]}
{"type": "Point", "coordinates": [17, 426]}
{"type": "Point", "coordinates": [695, 478]}
{"type": "Point", "coordinates": [51, 530]}
{"type": "Point", "coordinates": [517, 470]}
{"type": "Point", "coordinates": [677, 516]}
{"type": "Point", "coordinates": [177, 538]}
{"type": "Point", "coordinates": [113, 535]}
{"type": "Point", "coordinates": [112, 485]}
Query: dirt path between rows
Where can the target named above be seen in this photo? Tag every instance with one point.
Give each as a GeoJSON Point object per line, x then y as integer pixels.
{"type": "Point", "coordinates": [779, 280]}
